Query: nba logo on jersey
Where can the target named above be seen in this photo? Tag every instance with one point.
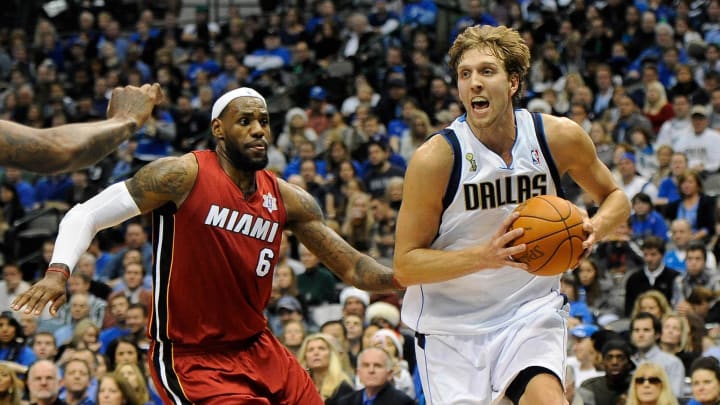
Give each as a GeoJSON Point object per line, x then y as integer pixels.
{"type": "Point", "coordinates": [269, 202]}
{"type": "Point", "coordinates": [535, 156]}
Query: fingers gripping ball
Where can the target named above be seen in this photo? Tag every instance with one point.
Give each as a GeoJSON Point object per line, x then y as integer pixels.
{"type": "Point", "coordinates": [553, 233]}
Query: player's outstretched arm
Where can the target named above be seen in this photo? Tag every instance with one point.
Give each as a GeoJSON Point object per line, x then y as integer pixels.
{"type": "Point", "coordinates": [575, 154]}
{"type": "Point", "coordinates": [415, 261]}
{"type": "Point", "coordinates": [305, 219]}
{"type": "Point", "coordinates": [162, 181]}
{"type": "Point", "coordinates": [74, 146]}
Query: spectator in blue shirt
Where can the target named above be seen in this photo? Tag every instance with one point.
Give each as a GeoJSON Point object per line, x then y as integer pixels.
{"type": "Point", "coordinates": [155, 138]}
{"type": "Point", "coordinates": [668, 190]}
{"type": "Point", "coordinates": [12, 343]}
{"type": "Point", "coordinates": [420, 13]}
{"type": "Point", "coordinates": [475, 15]}
{"type": "Point", "coordinates": [24, 189]}
{"type": "Point", "coordinates": [273, 55]}
{"type": "Point", "coordinates": [645, 220]}
{"type": "Point", "coordinates": [664, 39]}
{"type": "Point", "coordinates": [200, 60]}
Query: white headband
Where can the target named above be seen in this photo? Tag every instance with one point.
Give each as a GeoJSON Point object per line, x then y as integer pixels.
{"type": "Point", "coordinates": [226, 98]}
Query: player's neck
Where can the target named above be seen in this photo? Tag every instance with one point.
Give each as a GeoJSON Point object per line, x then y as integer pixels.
{"type": "Point", "coordinates": [500, 136]}
{"type": "Point", "coordinates": [244, 179]}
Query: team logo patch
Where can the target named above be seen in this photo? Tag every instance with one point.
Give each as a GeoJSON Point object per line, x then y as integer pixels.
{"type": "Point", "coordinates": [535, 154]}
{"type": "Point", "coordinates": [270, 202]}
{"type": "Point", "coordinates": [471, 158]}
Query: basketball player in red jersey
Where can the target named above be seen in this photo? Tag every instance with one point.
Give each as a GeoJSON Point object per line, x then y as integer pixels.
{"type": "Point", "coordinates": [70, 147]}
{"type": "Point", "coordinates": [218, 219]}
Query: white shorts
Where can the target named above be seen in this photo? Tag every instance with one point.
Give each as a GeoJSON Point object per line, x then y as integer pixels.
{"type": "Point", "coordinates": [477, 369]}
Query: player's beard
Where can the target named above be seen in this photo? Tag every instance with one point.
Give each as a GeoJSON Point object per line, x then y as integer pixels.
{"type": "Point", "coordinates": [242, 159]}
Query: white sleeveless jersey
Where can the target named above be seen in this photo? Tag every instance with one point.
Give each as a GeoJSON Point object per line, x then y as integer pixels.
{"type": "Point", "coordinates": [486, 190]}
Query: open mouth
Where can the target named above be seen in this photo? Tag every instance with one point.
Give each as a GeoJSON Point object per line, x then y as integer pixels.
{"type": "Point", "coordinates": [479, 103]}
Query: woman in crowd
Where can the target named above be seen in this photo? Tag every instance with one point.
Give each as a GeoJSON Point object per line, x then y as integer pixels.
{"type": "Point", "coordinates": [336, 154]}
{"type": "Point", "coordinates": [115, 390]}
{"type": "Point", "coordinates": [663, 155]}
{"type": "Point", "coordinates": [657, 108]}
{"type": "Point", "coordinates": [669, 189]}
{"type": "Point", "coordinates": [358, 222]}
{"type": "Point", "coordinates": [86, 335]}
{"type": "Point", "coordinates": [123, 350]}
{"type": "Point", "coordinates": [705, 377]}
{"type": "Point", "coordinates": [652, 301]}
{"type": "Point", "coordinates": [650, 386]}
{"type": "Point", "coordinates": [339, 189]}
{"type": "Point", "coordinates": [587, 276]}
{"type": "Point", "coordinates": [285, 280]}
{"type": "Point", "coordinates": [694, 205]}
{"type": "Point", "coordinates": [319, 356]}
{"type": "Point", "coordinates": [13, 350]}
{"type": "Point", "coordinates": [11, 387]}
{"type": "Point", "coordinates": [293, 335]}
{"type": "Point", "coordinates": [138, 382]}
{"type": "Point", "coordinates": [676, 339]}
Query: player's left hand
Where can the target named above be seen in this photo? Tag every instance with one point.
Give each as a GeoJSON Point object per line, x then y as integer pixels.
{"type": "Point", "coordinates": [135, 103]}
{"type": "Point", "coordinates": [50, 289]}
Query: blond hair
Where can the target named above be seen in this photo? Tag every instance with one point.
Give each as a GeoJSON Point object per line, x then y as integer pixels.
{"type": "Point", "coordinates": [502, 42]}
{"type": "Point", "coordinates": [684, 329]}
{"type": "Point", "coordinates": [335, 375]}
{"type": "Point", "coordinates": [141, 391]}
{"type": "Point", "coordinates": [659, 298]}
{"type": "Point", "coordinates": [666, 396]}
{"type": "Point", "coordinates": [653, 108]}
{"type": "Point", "coordinates": [16, 388]}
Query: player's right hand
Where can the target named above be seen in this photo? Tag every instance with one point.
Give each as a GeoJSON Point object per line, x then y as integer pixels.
{"type": "Point", "coordinates": [50, 288]}
{"type": "Point", "coordinates": [497, 253]}
{"type": "Point", "coordinates": [135, 103]}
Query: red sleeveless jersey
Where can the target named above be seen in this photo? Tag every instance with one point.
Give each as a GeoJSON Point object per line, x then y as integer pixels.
{"type": "Point", "coordinates": [214, 258]}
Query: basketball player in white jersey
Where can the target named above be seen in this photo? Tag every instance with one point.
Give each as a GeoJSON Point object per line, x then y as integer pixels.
{"type": "Point", "coordinates": [487, 331]}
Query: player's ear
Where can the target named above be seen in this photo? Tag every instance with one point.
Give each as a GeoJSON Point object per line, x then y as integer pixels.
{"type": "Point", "coordinates": [217, 128]}
{"type": "Point", "coordinates": [514, 83]}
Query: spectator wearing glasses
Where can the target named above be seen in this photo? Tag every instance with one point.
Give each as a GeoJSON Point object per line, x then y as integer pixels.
{"type": "Point", "coordinates": [650, 386]}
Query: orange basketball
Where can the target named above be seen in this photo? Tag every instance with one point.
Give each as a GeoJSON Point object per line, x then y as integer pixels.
{"type": "Point", "coordinates": [553, 234]}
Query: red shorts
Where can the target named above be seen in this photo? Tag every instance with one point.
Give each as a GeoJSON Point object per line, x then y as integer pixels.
{"type": "Point", "coordinates": [258, 372]}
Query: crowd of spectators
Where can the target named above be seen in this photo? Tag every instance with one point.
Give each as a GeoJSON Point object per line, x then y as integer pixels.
{"type": "Point", "coordinates": [353, 88]}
